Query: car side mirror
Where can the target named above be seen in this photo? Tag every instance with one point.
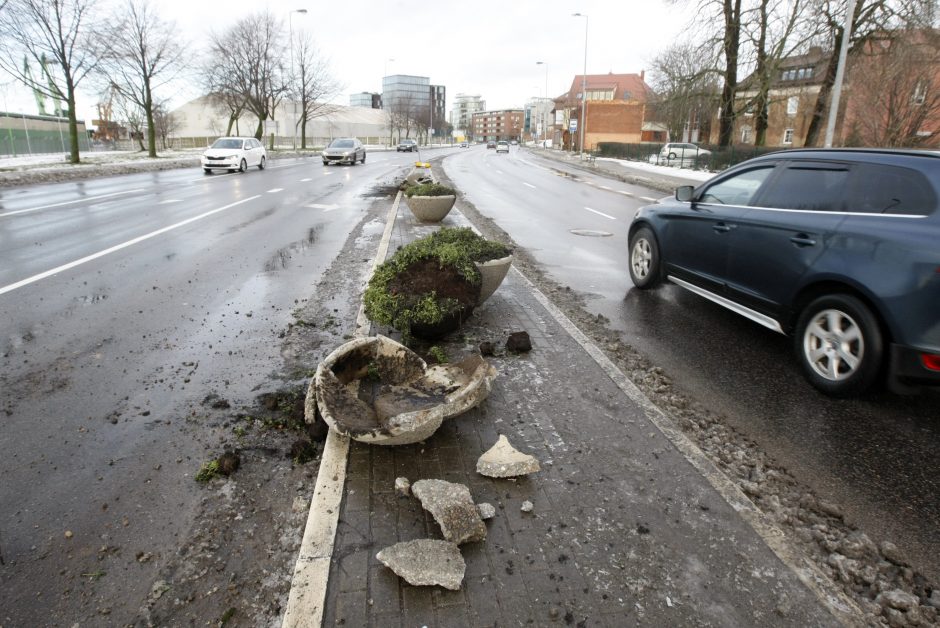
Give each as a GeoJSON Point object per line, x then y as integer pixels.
{"type": "Point", "coordinates": [684, 193]}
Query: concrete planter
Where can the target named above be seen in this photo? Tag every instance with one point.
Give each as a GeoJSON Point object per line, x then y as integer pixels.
{"type": "Point", "coordinates": [493, 272]}
{"type": "Point", "coordinates": [378, 391]}
{"type": "Point", "coordinates": [430, 208]}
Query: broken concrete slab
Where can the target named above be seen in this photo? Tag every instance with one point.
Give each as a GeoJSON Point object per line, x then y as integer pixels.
{"type": "Point", "coordinates": [426, 562]}
{"type": "Point", "coordinates": [452, 507]}
{"type": "Point", "coordinates": [402, 487]}
{"type": "Point", "coordinates": [527, 506]}
{"type": "Point", "coordinates": [502, 460]}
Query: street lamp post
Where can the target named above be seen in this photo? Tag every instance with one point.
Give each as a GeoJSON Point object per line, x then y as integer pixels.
{"type": "Point", "coordinates": [290, 28]}
{"type": "Point", "coordinates": [583, 82]}
{"type": "Point", "coordinates": [543, 113]}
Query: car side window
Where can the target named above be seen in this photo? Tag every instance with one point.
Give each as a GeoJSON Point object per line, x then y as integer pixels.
{"type": "Point", "coordinates": [881, 189]}
{"type": "Point", "coordinates": [736, 190]}
{"type": "Point", "coordinates": [808, 186]}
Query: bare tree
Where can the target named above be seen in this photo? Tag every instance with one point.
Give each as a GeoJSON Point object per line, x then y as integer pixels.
{"type": "Point", "coordinates": [895, 89]}
{"type": "Point", "coordinates": [145, 53]}
{"type": "Point", "coordinates": [686, 88]}
{"type": "Point", "coordinates": [132, 115]}
{"type": "Point", "coordinates": [165, 123]}
{"type": "Point", "coordinates": [870, 16]}
{"type": "Point", "coordinates": [248, 65]}
{"type": "Point", "coordinates": [56, 36]}
{"type": "Point", "coordinates": [313, 84]}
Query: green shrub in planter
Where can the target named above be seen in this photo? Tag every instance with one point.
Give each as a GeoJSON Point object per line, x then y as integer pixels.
{"type": "Point", "coordinates": [429, 286]}
{"type": "Point", "coordinates": [429, 189]}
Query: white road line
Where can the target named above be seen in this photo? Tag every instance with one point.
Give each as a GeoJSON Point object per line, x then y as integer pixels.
{"type": "Point", "coordinates": [170, 200]}
{"type": "Point", "coordinates": [530, 185]}
{"type": "Point", "coordinates": [305, 180]}
{"type": "Point", "coordinates": [604, 187]}
{"type": "Point", "coordinates": [275, 190]}
{"type": "Point", "coordinates": [78, 200]}
{"type": "Point", "coordinates": [499, 172]}
{"type": "Point", "coordinates": [118, 247]}
{"type": "Point", "coordinates": [625, 193]}
{"type": "Point", "coordinates": [647, 199]}
{"type": "Point", "coordinates": [600, 213]}
{"type": "Point", "coordinates": [326, 208]}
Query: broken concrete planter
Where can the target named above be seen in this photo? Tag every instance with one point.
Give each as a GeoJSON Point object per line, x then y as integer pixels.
{"type": "Point", "coordinates": [426, 562]}
{"type": "Point", "coordinates": [430, 208]}
{"type": "Point", "coordinates": [492, 273]}
{"type": "Point", "coordinates": [378, 391]}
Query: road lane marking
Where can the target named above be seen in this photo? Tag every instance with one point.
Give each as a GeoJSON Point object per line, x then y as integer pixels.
{"type": "Point", "coordinates": [647, 199]}
{"type": "Point", "coordinates": [625, 193]}
{"type": "Point", "coordinates": [530, 185]}
{"type": "Point", "coordinates": [305, 180]}
{"type": "Point", "coordinates": [604, 187]}
{"type": "Point", "coordinates": [118, 247]}
{"type": "Point", "coordinates": [326, 208]}
{"type": "Point", "coordinates": [600, 213]}
{"type": "Point", "coordinates": [275, 190]}
{"type": "Point", "coordinates": [499, 172]}
{"type": "Point", "coordinates": [170, 200]}
{"type": "Point", "coordinates": [78, 200]}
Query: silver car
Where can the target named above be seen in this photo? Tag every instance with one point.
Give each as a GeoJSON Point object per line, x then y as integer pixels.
{"type": "Point", "coordinates": [346, 150]}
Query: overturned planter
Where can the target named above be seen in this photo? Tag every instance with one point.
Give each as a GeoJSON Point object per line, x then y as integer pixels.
{"type": "Point", "coordinates": [492, 273]}
{"type": "Point", "coordinates": [378, 391]}
{"type": "Point", "coordinates": [430, 208]}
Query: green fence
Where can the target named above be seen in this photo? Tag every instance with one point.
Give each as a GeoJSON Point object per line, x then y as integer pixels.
{"type": "Point", "coordinates": [36, 135]}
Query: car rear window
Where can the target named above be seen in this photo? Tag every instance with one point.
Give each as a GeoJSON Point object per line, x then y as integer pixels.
{"type": "Point", "coordinates": [882, 189]}
{"type": "Point", "coordinates": [808, 186]}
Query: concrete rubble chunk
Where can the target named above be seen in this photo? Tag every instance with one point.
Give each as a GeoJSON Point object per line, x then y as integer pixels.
{"type": "Point", "coordinates": [487, 511]}
{"type": "Point", "coordinates": [452, 507]}
{"type": "Point", "coordinates": [527, 506]}
{"type": "Point", "coordinates": [502, 460]}
{"type": "Point", "coordinates": [426, 562]}
{"type": "Point", "coordinates": [402, 487]}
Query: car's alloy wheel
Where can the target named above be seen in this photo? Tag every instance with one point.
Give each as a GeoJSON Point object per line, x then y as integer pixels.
{"type": "Point", "coordinates": [243, 166]}
{"type": "Point", "coordinates": [261, 163]}
{"type": "Point", "coordinates": [644, 259]}
{"type": "Point", "coordinates": [839, 344]}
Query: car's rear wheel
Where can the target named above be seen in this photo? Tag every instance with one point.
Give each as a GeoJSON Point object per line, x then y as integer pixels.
{"type": "Point", "coordinates": [243, 166]}
{"type": "Point", "coordinates": [839, 345]}
{"type": "Point", "coordinates": [261, 163]}
{"type": "Point", "coordinates": [645, 269]}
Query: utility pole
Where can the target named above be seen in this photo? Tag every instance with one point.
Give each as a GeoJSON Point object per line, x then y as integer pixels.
{"type": "Point", "coordinates": [583, 121]}
{"type": "Point", "coordinates": [840, 74]}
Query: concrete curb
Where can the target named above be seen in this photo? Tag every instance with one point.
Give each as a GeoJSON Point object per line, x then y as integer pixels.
{"type": "Point", "coordinates": [305, 603]}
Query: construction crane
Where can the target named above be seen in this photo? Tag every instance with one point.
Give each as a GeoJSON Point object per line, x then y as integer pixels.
{"type": "Point", "coordinates": [40, 97]}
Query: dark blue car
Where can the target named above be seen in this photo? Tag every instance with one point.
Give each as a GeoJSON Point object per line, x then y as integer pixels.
{"type": "Point", "coordinates": [838, 247]}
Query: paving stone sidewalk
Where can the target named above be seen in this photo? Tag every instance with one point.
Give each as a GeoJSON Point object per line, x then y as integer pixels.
{"type": "Point", "coordinates": [624, 530]}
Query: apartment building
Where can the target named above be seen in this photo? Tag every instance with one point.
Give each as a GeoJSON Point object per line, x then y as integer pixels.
{"type": "Point", "coordinates": [465, 105]}
{"type": "Point", "coordinates": [504, 124]}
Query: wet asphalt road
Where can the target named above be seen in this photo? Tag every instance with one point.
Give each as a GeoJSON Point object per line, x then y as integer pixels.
{"type": "Point", "coordinates": [124, 302]}
{"type": "Point", "coordinates": [877, 456]}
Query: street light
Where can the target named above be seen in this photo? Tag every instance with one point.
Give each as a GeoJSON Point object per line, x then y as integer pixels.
{"type": "Point", "coordinates": [290, 28]}
{"type": "Point", "coordinates": [583, 82]}
{"type": "Point", "coordinates": [544, 120]}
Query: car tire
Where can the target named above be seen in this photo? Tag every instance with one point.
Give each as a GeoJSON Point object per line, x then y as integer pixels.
{"type": "Point", "coordinates": [243, 166]}
{"type": "Point", "coordinates": [645, 262]}
{"type": "Point", "coordinates": [363, 158]}
{"type": "Point", "coordinates": [672, 155]}
{"type": "Point", "coordinates": [326, 163]}
{"type": "Point", "coordinates": [207, 170]}
{"type": "Point", "coordinates": [261, 163]}
{"type": "Point", "coordinates": [839, 344]}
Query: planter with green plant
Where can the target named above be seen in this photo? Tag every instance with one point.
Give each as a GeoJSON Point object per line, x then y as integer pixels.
{"type": "Point", "coordinates": [430, 286]}
{"type": "Point", "coordinates": [430, 202]}
{"type": "Point", "coordinates": [492, 259]}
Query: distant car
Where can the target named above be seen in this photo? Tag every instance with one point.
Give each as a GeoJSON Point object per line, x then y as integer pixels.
{"type": "Point", "coordinates": [464, 144]}
{"type": "Point", "coordinates": [502, 147]}
{"type": "Point", "coordinates": [344, 150]}
{"type": "Point", "coordinates": [835, 247]}
{"type": "Point", "coordinates": [514, 143]}
{"type": "Point", "coordinates": [682, 152]}
{"type": "Point", "coordinates": [234, 153]}
{"type": "Point", "coordinates": [491, 144]}
{"type": "Point", "coordinates": [407, 146]}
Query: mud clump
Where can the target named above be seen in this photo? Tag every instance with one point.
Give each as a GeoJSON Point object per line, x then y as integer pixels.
{"type": "Point", "coordinates": [519, 342]}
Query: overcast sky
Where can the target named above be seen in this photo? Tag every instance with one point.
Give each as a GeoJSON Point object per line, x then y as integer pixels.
{"type": "Point", "coordinates": [486, 47]}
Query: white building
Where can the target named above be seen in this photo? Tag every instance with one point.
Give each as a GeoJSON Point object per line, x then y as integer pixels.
{"type": "Point", "coordinates": [465, 105]}
{"type": "Point", "coordinates": [202, 119]}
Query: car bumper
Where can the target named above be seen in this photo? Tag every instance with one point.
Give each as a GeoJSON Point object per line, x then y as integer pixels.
{"type": "Point", "coordinates": [339, 159]}
{"type": "Point", "coordinates": [915, 366]}
{"type": "Point", "coordinates": [220, 164]}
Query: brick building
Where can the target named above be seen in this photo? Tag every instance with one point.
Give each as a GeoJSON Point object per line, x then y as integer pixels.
{"type": "Point", "coordinates": [503, 124]}
{"type": "Point", "coordinates": [616, 110]}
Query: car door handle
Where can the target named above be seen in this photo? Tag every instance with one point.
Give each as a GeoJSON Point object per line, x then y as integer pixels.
{"type": "Point", "coordinates": [721, 227]}
{"type": "Point", "coordinates": [803, 240]}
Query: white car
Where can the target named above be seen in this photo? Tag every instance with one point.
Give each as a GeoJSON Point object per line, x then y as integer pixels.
{"type": "Point", "coordinates": [234, 153]}
{"type": "Point", "coordinates": [682, 152]}
{"type": "Point", "coordinates": [502, 146]}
